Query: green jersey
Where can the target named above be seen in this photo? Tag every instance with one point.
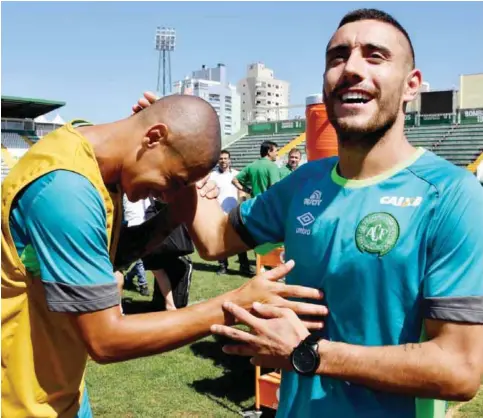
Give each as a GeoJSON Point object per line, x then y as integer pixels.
{"type": "Point", "coordinates": [259, 175]}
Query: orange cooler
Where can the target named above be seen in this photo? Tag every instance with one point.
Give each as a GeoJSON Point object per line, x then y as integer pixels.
{"type": "Point", "coordinates": [320, 135]}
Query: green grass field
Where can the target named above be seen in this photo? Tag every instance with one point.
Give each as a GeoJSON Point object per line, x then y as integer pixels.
{"type": "Point", "coordinates": [194, 381]}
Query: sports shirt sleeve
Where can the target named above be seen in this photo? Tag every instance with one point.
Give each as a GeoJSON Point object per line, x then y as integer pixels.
{"type": "Point", "coordinates": [66, 223]}
{"type": "Point", "coordinates": [262, 220]}
{"type": "Point", "coordinates": [453, 284]}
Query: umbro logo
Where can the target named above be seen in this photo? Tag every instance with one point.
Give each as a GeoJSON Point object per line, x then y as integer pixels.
{"type": "Point", "coordinates": [305, 220]}
{"type": "Point", "coordinates": [315, 199]}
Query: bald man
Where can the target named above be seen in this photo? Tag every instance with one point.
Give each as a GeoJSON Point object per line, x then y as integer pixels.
{"type": "Point", "coordinates": [60, 228]}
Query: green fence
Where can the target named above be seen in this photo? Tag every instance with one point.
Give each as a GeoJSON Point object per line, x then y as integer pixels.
{"type": "Point", "coordinates": [469, 116]}
{"type": "Point", "coordinates": [261, 129]}
{"type": "Point", "coordinates": [438, 119]}
{"type": "Point", "coordinates": [410, 119]}
{"type": "Point", "coordinates": [291, 126]}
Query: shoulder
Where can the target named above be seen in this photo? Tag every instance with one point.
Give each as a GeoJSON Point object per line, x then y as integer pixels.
{"type": "Point", "coordinates": [61, 195]}
{"type": "Point", "coordinates": [447, 180]}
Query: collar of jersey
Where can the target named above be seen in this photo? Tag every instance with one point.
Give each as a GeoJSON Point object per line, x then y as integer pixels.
{"type": "Point", "coordinates": [355, 184]}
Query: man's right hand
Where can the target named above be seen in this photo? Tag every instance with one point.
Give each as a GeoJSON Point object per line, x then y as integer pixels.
{"type": "Point", "coordinates": [266, 289]}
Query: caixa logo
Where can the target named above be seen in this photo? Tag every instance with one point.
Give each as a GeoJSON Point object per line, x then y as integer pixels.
{"type": "Point", "coordinates": [401, 201]}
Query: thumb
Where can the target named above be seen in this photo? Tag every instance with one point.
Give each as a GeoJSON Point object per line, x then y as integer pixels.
{"type": "Point", "coordinates": [278, 272]}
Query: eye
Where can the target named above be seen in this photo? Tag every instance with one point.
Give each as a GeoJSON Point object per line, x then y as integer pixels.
{"type": "Point", "coordinates": [376, 57]}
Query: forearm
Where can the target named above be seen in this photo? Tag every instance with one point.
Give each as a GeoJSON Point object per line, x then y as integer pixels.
{"type": "Point", "coordinates": [208, 226]}
{"type": "Point", "coordinates": [127, 337]}
{"type": "Point", "coordinates": [422, 370]}
{"type": "Point", "coordinates": [239, 186]}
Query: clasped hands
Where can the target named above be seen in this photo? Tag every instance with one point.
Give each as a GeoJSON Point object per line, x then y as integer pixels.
{"type": "Point", "coordinates": [274, 331]}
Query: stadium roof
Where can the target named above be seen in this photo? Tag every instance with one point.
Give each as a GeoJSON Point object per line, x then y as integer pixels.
{"type": "Point", "coordinates": [19, 107]}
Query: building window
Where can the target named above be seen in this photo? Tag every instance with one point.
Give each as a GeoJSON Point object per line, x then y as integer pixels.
{"type": "Point", "coordinates": [228, 108]}
{"type": "Point", "coordinates": [258, 102]}
{"type": "Point", "coordinates": [269, 102]}
{"type": "Point", "coordinates": [243, 102]}
{"type": "Point", "coordinates": [277, 95]}
{"type": "Point", "coordinates": [228, 99]}
{"type": "Point", "coordinates": [269, 85]}
{"type": "Point", "coordinates": [214, 97]}
{"type": "Point", "coordinates": [276, 86]}
{"type": "Point", "coordinates": [243, 93]}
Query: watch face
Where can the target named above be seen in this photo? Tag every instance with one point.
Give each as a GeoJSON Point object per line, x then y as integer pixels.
{"type": "Point", "coordinates": [304, 360]}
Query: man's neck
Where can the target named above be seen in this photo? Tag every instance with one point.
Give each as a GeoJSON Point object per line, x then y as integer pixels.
{"type": "Point", "coordinates": [357, 162]}
{"type": "Point", "coordinates": [108, 142]}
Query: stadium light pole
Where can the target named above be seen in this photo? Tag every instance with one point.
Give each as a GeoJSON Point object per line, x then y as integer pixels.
{"type": "Point", "coordinates": [165, 43]}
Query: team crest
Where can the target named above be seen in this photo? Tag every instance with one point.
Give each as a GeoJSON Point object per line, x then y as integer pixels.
{"type": "Point", "coordinates": [377, 233]}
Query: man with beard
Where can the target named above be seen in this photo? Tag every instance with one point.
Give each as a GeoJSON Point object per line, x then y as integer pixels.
{"type": "Point", "coordinates": [294, 157]}
{"type": "Point", "coordinates": [393, 240]}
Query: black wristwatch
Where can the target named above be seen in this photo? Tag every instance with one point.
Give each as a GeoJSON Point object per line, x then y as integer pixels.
{"type": "Point", "coordinates": [305, 358]}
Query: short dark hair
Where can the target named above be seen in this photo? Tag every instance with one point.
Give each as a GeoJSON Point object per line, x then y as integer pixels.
{"type": "Point", "coordinates": [266, 147]}
{"type": "Point", "coordinates": [375, 14]}
{"type": "Point", "coordinates": [225, 151]}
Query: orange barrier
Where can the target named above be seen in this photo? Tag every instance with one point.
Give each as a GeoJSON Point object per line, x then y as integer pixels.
{"type": "Point", "coordinates": [321, 138]}
{"type": "Point", "coordinates": [267, 385]}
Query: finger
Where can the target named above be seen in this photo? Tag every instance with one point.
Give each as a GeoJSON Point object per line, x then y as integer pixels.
{"type": "Point", "coordinates": [304, 308]}
{"type": "Point", "coordinates": [200, 183]}
{"type": "Point", "coordinates": [233, 333]}
{"type": "Point", "coordinates": [278, 272]}
{"type": "Point", "coordinates": [269, 311]}
{"type": "Point", "coordinates": [150, 96]}
{"type": "Point", "coordinates": [143, 103]}
{"type": "Point", "coordinates": [213, 194]}
{"type": "Point", "coordinates": [300, 292]}
{"type": "Point", "coordinates": [313, 325]}
{"type": "Point", "coordinates": [239, 350]}
{"type": "Point", "coordinates": [242, 315]}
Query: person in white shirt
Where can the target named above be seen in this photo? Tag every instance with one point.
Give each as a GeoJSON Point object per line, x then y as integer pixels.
{"type": "Point", "coordinates": [228, 198]}
{"type": "Point", "coordinates": [134, 215]}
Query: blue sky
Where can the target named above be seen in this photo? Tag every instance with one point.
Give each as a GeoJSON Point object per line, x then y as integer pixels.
{"type": "Point", "coordinates": [99, 57]}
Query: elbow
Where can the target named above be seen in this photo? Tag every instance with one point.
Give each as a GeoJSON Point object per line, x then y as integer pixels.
{"type": "Point", "coordinates": [102, 350]}
{"type": "Point", "coordinates": [100, 354]}
{"type": "Point", "coordinates": [209, 254]}
{"type": "Point", "coordinates": [462, 386]}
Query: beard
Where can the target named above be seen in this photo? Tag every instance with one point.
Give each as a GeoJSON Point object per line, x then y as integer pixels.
{"type": "Point", "coordinates": [365, 135]}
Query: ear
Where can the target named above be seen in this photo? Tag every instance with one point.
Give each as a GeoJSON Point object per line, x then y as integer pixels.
{"type": "Point", "coordinates": [412, 86]}
{"type": "Point", "coordinates": [156, 135]}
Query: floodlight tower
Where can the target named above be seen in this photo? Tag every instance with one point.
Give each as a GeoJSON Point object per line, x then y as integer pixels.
{"type": "Point", "coordinates": [165, 43]}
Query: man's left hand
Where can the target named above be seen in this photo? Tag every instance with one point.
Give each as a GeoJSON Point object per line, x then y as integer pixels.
{"type": "Point", "coordinates": [274, 334]}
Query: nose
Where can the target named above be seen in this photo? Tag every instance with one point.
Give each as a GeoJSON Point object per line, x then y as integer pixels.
{"type": "Point", "coordinates": [354, 68]}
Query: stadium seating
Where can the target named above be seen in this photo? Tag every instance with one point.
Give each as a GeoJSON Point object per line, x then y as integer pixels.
{"type": "Point", "coordinates": [459, 144]}
{"type": "Point", "coordinates": [247, 149]}
{"type": "Point", "coordinates": [463, 144]}
{"type": "Point", "coordinates": [427, 136]}
{"type": "Point", "coordinates": [5, 169]}
{"type": "Point", "coordinates": [16, 145]}
{"type": "Point", "coordinates": [32, 136]}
